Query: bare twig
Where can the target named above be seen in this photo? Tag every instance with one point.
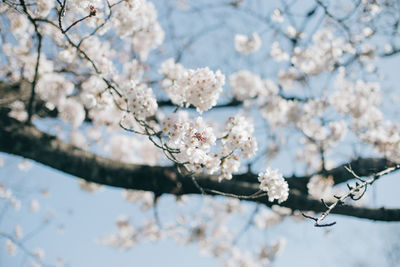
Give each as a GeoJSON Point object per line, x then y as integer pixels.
{"type": "Point", "coordinates": [353, 190]}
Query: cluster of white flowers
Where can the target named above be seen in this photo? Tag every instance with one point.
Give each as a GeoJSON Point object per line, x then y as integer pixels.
{"type": "Point", "coordinates": [245, 44]}
{"type": "Point", "coordinates": [20, 25]}
{"type": "Point", "coordinates": [194, 138]}
{"type": "Point", "coordinates": [245, 84]}
{"type": "Point", "coordinates": [44, 7]}
{"type": "Point", "coordinates": [274, 184]}
{"type": "Point", "coordinates": [82, 6]}
{"type": "Point", "coordinates": [329, 135]}
{"type": "Point", "coordinates": [132, 16]}
{"type": "Point", "coordinates": [172, 73]}
{"type": "Point", "coordinates": [279, 112]}
{"type": "Point", "coordinates": [147, 40]}
{"type": "Point", "coordinates": [141, 100]}
{"type": "Point", "coordinates": [360, 99]}
{"type": "Point", "coordinates": [290, 78]}
{"type": "Point", "coordinates": [320, 187]}
{"type": "Point", "coordinates": [322, 55]}
{"type": "Point", "coordinates": [229, 166]}
{"type": "Point", "coordinates": [138, 18]}
{"type": "Point", "coordinates": [198, 87]}
{"type": "Point", "coordinates": [238, 135]}
{"type": "Point", "coordinates": [100, 53]}
{"type": "Point", "coordinates": [72, 111]}
{"type": "Point", "coordinates": [54, 88]}
{"type": "Point", "coordinates": [196, 142]}
{"type": "Point", "coordinates": [385, 138]}
{"type": "Point", "coordinates": [92, 90]}
{"type": "Point", "coordinates": [278, 53]}
{"type": "Point", "coordinates": [131, 149]}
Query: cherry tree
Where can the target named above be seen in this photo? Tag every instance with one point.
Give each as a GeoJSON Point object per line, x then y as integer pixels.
{"type": "Point", "coordinates": [278, 107]}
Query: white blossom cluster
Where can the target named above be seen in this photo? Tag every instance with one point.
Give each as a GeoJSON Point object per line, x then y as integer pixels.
{"type": "Point", "coordinates": [82, 6]}
{"type": "Point", "coordinates": [54, 89]}
{"type": "Point", "coordinates": [279, 111]}
{"type": "Point", "coordinates": [141, 100]}
{"type": "Point", "coordinates": [278, 53]}
{"type": "Point", "coordinates": [360, 99]}
{"type": "Point", "coordinates": [198, 87]}
{"type": "Point", "coordinates": [134, 15]}
{"type": "Point", "coordinates": [322, 55]}
{"type": "Point", "coordinates": [327, 134]}
{"type": "Point", "coordinates": [291, 78]}
{"type": "Point", "coordinates": [229, 165]}
{"type": "Point", "coordinates": [138, 19]}
{"type": "Point", "coordinates": [131, 149]}
{"type": "Point", "coordinates": [172, 73]}
{"type": "Point", "coordinates": [245, 84]}
{"type": "Point", "coordinates": [238, 136]}
{"type": "Point", "coordinates": [196, 142]}
{"type": "Point", "coordinates": [385, 138]}
{"type": "Point", "coordinates": [101, 54]}
{"type": "Point", "coordinates": [193, 138]}
{"type": "Point", "coordinates": [320, 187]}
{"type": "Point", "coordinates": [44, 7]}
{"type": "Point", "coordinates": [245, 44]}
{"type": "Point", "coordinates": [72, 111]}
{"type": "Point", "coordinates": [92, 90]}
{"type": "Point", "coordinates": [272, 182]}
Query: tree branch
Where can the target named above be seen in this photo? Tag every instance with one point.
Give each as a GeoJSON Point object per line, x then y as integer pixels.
{"type": "Point", "coordinates": [27, 141]}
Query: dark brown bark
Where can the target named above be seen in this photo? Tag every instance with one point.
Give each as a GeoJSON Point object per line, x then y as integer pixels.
{"type": "Point", "coordinates": [27, 141]}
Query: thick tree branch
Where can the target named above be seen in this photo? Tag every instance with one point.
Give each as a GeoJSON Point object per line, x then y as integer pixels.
{"type": "Point", "coordinates": [361, 166]}
{"type": "Point", "coordinates": [26, 141]}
